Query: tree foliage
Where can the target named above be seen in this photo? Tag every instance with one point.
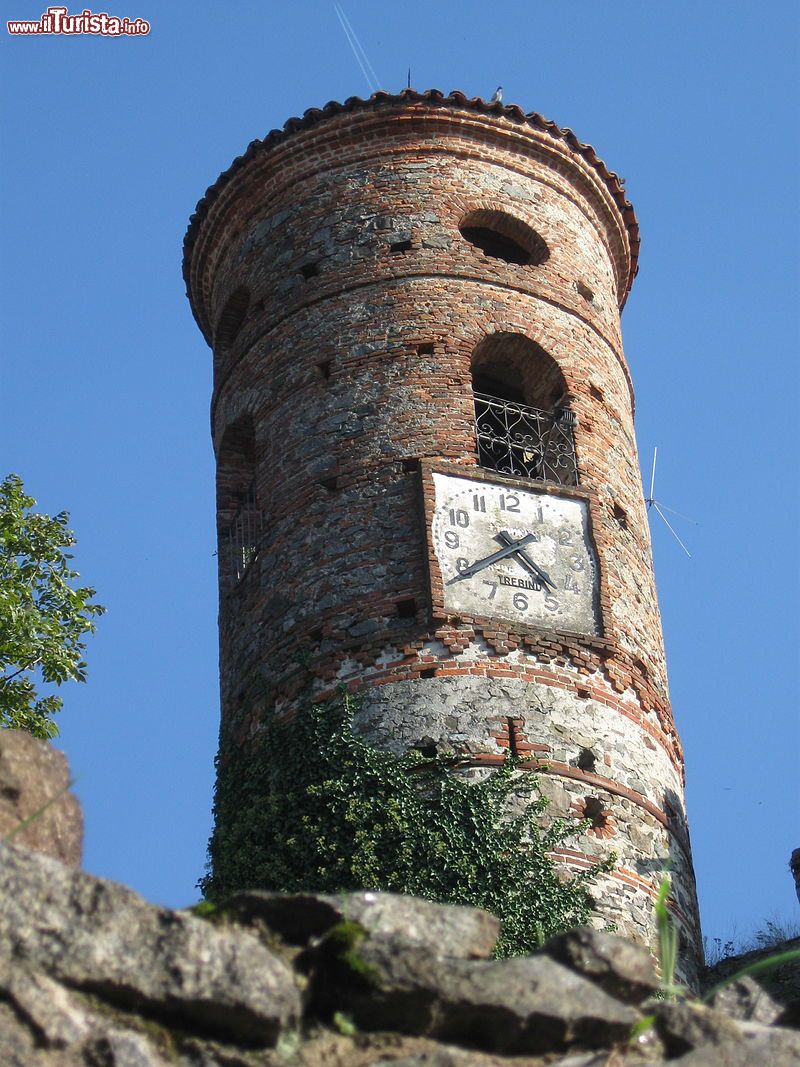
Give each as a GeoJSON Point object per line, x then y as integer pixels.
{"type": "Point", "coordinates": [44, 616]}
{"type": "Point", "coordinates": [315, 807]}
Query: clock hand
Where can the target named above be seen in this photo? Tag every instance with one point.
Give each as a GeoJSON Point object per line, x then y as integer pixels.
{"type": "Point", "coordinates": [522, 557]}
{"type": "Point", "coordinates": [479, 565]}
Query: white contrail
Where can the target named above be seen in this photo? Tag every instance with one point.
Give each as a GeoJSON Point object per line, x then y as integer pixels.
{"type": "Point", "coordinates": [361, 56]}
{"type": "Point", "coordinates": [359, 46]}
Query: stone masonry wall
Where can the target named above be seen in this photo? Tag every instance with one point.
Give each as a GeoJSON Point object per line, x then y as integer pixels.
{"type": "Point", "coordinates": [344, 305]}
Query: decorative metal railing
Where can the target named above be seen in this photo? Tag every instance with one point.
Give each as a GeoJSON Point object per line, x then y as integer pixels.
{"type": "Point", "coordinates": [526, 442]}
{"type": "Point", "coordinates": [239, 543]}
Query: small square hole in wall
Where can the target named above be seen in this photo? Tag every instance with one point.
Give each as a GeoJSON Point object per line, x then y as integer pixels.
{"type": "Point", "coordinates": [425, 349]}
{"type": "Point", "coordinates": [324, 369]}
{"type": "Point", "coordinates": [309, 270]}
{"type": "Point", "coordinates": [596, 393]}
{"type": "Point", "coordinates": [641, 667]}
{"type": "Point", "coordinates": [406, 609]}
{"type": "Point", "coordinates": [586, 760]}
{"type": "Point", "coordinates": [585, 292]}
{"type": "Point", "coordinates": [595, 811]}
{"type": "Point", "coordinates": [411, 464]}
{"type": "Point", "coordinates": [429, 672]}
{"type": "Point", "coordinates": [316, 635]}
{"type": "Point", "coordinates": [621, 515]}
{"type": "Point", "coordinates": [426, 747]}
{"type": "Point", "coordinates": [398, 247]}
{"type": "Point", "coordinates": [331, 484]}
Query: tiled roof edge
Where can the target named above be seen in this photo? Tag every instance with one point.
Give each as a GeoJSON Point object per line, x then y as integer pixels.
{"type": "Point", "coordinates": [437, 98]}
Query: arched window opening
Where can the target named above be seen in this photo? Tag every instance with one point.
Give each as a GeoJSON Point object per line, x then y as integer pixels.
{"type": "Point", "coordinates": [231, 319]}
{"type": "Point", "coordinates": [523, 423]}
{"type": "Point", "coordinates": [240, 520]}
{"type": "Point", "coordinates": [502, 236]}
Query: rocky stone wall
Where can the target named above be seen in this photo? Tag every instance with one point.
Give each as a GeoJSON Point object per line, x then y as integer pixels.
{"type": "Point", "coordinates": [93, 976]}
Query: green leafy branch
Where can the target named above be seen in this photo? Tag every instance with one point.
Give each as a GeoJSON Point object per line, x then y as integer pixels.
{"type": "Point", "coordinates": [44, 615]}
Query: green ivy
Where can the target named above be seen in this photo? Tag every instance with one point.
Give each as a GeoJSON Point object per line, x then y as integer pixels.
{"type": "Point", "coordinates": [314, 807]}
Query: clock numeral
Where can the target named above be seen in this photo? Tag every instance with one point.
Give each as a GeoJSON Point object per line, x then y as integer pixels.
{"type": "Point", "coordinates": [494, 589]}
{"type": "Point", "coordinates": [479, 503]}
{"type": "Point", "coordinates": [537, 515]}
{"type": "Point", "coordinates": [462, 564]}
{"type": "Point", "coordinates": [459, 517]}
{"type": "Point", "coordinates": [451, 539]}
{"type": "Point", "coordinates": [564, 537]}
{"type": "Point", "coordinates": [571, 584]}
{"type": "Point", "coordinates": [576, 563]}
{"type": "Point", "coordinates": [509, 502]}
{"type": "Point", "coordinates": [551, 603]}
{"type": "Point", "coordinates": [520, 602]}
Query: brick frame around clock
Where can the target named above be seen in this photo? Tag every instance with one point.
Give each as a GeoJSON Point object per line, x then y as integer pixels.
{"type": "Point", "coordinates": [429, 467]}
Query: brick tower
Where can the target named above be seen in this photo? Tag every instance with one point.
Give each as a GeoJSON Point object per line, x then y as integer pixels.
{"type": "Point", "coordinates": [427, 478]}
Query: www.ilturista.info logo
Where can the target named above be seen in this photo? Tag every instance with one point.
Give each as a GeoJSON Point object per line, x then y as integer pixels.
{"type": "Point", "coordinates": [56, 21]}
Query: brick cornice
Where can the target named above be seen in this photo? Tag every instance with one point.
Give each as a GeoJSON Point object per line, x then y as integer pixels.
{"type": "Point", "coordinates": [514, 129]}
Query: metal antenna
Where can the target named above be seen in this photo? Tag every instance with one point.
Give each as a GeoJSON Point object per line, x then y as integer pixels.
{"type": "Point", "coordinates": [653, 503]}
{"type": "Point", "coordinates": [649, 500]}
{"type": "Point", "coordinates": [408, 86]}
{"type": "Point", "coordinates": [361, 56]}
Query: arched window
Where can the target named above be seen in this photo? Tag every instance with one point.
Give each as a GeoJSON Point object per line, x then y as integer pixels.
{"type": "Point", "coordinates": [502, 236]}
{"type": "Point", "coordinates": [230, 320]}
{"type": "Point", "coordinates": [240, 520]}
{"type": "Point", "coordinates": [523, 423]}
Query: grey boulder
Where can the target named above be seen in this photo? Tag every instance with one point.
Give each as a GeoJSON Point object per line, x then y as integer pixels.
{"type": "Point", "coordinates": [526, 1004]}
{"type": "Point", "coordinates": [100, 937]}
{"type": "Point", "coordinates": [620, 967]}
{"type": "Point", "coordinates": [448, 931]}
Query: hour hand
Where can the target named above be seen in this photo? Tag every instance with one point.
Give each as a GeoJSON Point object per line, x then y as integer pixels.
{"type": "Point", "coordinates": [522, 556]}
{"type": "Point", "coordinates": [509, 550]}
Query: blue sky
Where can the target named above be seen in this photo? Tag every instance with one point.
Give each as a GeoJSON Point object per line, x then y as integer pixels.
{"type": "Point", "coordinates": [107, 144]}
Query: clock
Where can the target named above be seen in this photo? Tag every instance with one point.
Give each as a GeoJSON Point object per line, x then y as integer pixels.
{"type": "Point", "coordinates": [518, 554]}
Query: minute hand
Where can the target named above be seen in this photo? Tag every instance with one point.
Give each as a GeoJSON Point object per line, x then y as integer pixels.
{"type": "Point", "coordinates": [480, 564]}
{"type": "Point", "coordinates": [526, 561]}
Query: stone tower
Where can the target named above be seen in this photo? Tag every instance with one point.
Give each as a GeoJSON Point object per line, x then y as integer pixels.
{"type": "Point", "coordinates": [427, 478]}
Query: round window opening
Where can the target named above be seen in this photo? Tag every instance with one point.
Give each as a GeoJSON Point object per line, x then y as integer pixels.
{"type": "Point", "coordinates": [501, 236]}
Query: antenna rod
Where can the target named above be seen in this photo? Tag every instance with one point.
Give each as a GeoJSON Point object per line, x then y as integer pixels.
{"type": "Point", "coordinates": [680, 514]}
{"type": "Point", "coordinates": [409, 78]}
{"type": "Point", "coordinates": [669, 527]}
{"type": "Point", "coordinates": [649, 500]}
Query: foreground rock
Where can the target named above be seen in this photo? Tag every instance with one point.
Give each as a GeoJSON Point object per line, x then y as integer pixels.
{"type": "Point", "coordinates": [527, 1004]}
{"type": "Point", "coordinates": [446, 932]}
{"type": "Point", "coordinates": [93, 976]}
{"type": "Point", "coordinates": [101, 938]}
{"type": "Point", "coordinates": [34, 788]}
{"type": "Point", "coordinates": [624, 970]}
{"type": "Point", "coordinates": [777, 986]}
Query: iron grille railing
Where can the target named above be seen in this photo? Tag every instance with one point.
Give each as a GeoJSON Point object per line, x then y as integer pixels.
{"type": "Point", "coordinates": [239, 543]}
{"type": "Point", "coordinates": [526, 442]}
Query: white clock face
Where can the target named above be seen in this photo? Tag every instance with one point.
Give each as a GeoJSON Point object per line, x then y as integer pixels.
{"type": "Point", "coordinates": [515, 554]}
